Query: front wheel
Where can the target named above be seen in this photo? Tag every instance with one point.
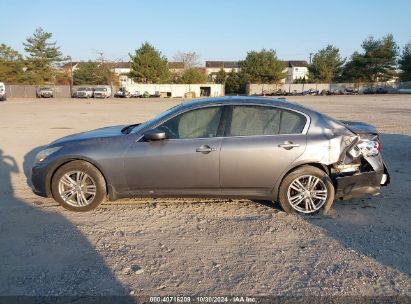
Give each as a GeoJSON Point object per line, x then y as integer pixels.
{"type": "Point", "coordinates": [306, 190]}
{"type": "Point", "coordinates": [78, 186]}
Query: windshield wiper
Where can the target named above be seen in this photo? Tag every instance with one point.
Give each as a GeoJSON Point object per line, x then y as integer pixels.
{"type": "Point", "coordinates": [127, 129]}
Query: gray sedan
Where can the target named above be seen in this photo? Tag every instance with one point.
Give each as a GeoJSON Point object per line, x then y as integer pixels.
{"type": "Point", "coordinates": [233, 147]}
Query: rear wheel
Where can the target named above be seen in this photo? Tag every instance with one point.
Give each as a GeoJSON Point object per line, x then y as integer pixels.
{"type": "Point", "coordinates": [78, 186]}
{"type": "Point", "coordinates": [306, 190]}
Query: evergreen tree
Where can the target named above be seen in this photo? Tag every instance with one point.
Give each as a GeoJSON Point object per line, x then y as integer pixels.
{"type": "Point", "coordinates": [192, 75]}
{"type": "Point", "coordinates": [236, 83]}
{"type": "Point", "coordinates": [86, 73]}
{"type": "Point", "coordinates": [92, 73]}
{"type": "Point", "coordinates": [11, 65]}
{"type": "Point", "coordinates": [263, 67]}
{"type": "Point", "coordinates": [148, 65]}
{"type": "Point", "coordinates": [326, 65]}
{"type": "Point", "coordinates": [43, 56]}
{"type": "Point", "coordinates": [221, 76]}
{"type": "Point", "coordinates": [376, 63]}
{"type": "Point", "coordinates": [405, 63]}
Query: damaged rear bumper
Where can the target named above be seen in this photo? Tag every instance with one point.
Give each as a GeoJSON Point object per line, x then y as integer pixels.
{"type": "Point", "coordinates": [360, 184]}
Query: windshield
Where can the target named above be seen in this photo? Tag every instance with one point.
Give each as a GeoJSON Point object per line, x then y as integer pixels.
{"type": "Point", "coordinates": [45, 89]}
{"type": "Point", "coordinates": [159, 117]}
{"type": "Point", "coordinates": [82, 89]}
{"type": "Point", "coordinates": [101, 89]}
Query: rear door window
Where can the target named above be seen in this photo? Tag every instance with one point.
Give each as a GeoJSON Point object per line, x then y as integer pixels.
{"type": "Point", "coordinates": [264, 120]}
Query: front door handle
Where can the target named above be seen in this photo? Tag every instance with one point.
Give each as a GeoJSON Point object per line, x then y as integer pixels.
{"type": "Point", "coordinates": [205, 149]}
{"type": "Point", "coordinates": [288, 145]}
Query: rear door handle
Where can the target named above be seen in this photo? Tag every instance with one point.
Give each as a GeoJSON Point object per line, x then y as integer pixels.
{"type": "Point", "coordinates": [205, 149]}
{"type": "Point", "coordinates": [288, 145]}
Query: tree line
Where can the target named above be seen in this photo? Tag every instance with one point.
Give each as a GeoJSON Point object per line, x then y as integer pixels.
{"type": "Point", "coordinates": [379, 60]}
{"type": "Point", "coordinates": [42, 64]}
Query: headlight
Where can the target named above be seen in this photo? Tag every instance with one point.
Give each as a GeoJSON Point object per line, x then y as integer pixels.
{"type": "Point", "coordinates": [44, 153]}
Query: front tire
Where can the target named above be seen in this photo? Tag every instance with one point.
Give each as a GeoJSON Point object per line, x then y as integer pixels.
{"type": "Point", "coordinates": [306, 190]}
{"type": "Point", "coordinates": [78, 186]}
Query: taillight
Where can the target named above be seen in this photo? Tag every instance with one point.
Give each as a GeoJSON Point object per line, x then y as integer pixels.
{"type": "Point", "coordinates": [370, 147]}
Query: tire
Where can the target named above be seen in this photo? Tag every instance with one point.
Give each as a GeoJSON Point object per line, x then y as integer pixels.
{"type": "Point", "coordinates": [307, 199]}
{"type": "Point", "coordinates": [66, 183]}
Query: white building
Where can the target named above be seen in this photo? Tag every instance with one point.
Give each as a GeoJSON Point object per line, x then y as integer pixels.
{"type": "Point", "coordinates": [123, 70]}
{"type": "Point", "coordinates": [295, 69]}
{"type": "Point", "coordinates": [213, 67]}
{"type": "Point", "coordinates": [177, 90]}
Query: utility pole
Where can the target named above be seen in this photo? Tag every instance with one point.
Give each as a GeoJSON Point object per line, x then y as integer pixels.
{"type": "Point", "coordinates": [71, 76]}
{"type": "Point", "coordinates": [310, 57]}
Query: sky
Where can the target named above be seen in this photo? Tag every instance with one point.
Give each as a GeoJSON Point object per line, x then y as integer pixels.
{"type": "Point", "coordinates": [216, 30]}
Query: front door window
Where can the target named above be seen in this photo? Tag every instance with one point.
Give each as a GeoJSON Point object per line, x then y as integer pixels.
{"type": "Point", "coordinates": [199, 123]}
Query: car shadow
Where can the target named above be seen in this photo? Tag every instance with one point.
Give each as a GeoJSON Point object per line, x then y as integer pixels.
{"type": "Point", "coordinates": [378, 227]}
{"type": "Point", "coordinates": [43, 253]}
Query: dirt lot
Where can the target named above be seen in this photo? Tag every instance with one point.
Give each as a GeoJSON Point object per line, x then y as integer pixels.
{"type": "Point", "coordinates": [199, 247]}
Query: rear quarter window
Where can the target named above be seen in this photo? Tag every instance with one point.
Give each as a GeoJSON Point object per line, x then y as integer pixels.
{"type": "Point", "coordinates": [292, 122]}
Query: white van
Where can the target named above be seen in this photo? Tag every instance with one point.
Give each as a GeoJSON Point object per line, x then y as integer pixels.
{"type": "Point", "coordinates": [2, 92]}
{"type": "Point", "coordinates": [102, 92]}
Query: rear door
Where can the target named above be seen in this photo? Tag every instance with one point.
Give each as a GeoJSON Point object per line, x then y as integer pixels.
{"type": "Point", "coordinates": [259, 144]}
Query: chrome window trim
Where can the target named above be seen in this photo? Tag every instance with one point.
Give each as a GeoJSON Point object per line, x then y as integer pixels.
{"type": "Point", "coordinates": [304, 131]}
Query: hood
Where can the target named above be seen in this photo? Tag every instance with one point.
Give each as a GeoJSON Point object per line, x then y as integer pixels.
{"type": "Point", "coordinates": [360, 127]}
{"type": "Point", "coordinates": [98, 133]}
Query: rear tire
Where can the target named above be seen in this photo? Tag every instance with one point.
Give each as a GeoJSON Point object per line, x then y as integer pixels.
{"type": "Point", "coordinates": [306, 190]}
{"type": "Point", "coordinates": [78, 186]}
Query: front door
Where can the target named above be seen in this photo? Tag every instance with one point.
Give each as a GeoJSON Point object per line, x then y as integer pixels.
{"type": "Point", "coordinates": [186, 163]}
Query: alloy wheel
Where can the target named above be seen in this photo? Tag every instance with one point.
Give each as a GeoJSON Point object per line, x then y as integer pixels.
{"type": "Point", "coordinates": [307, 193]}
{"type": "Point", "coordinates": [77, 188]}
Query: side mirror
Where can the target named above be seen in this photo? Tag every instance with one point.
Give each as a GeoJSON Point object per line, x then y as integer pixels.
{"type": "Point", "coordinates": [154, 135]}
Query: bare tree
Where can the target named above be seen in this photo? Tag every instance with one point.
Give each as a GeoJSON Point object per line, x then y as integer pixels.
{"type": "Point", "coordinates": [190, 59]}
{"type": "Point", "coordinates": [100, 56]}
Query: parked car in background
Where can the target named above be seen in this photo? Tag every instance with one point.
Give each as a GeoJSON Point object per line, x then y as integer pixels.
{"type": "Point", "coordinates": [281, 92]}
{"type": "Point", "coordinates": [122, 93]}
{"type": "Point", "coordinates": [44, 92]}
{"type": "Point", "coordinates": [156, 94]}
{"type": "Point", "coordinates": [369, 91]}
{"type": "Point", "coordinates": [404, 91]}
{"type": "Point", "coordinates": [381, 90]}
{"type": "Point", "coordinates": [311, 92]}
{"type": "Point", "coordinates": [136, 94]}
{"type": "Point", "coordinates": [84, 92]}
{"type": "Point", "coordinates": [102, 92]}
{"type": "Point", "coordinates": [2, 92]}
{"type": "Point", "coordinates": [350, 91]}
{"type": "Point", "coordinates": [337, 92]}
{"type": "Point", "coordinates": [294, 93]}
{"type": "Point", "coordinates": [238, 147]}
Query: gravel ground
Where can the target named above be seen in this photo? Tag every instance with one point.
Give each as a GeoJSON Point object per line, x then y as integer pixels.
{"type": "Point", "coordinates": [199, 246]}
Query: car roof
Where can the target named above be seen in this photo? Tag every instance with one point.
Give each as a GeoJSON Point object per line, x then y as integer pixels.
{"type": "Point", "coordinates": [282, 102]}
{"type": "Point", "coordinates": [235, 99]}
